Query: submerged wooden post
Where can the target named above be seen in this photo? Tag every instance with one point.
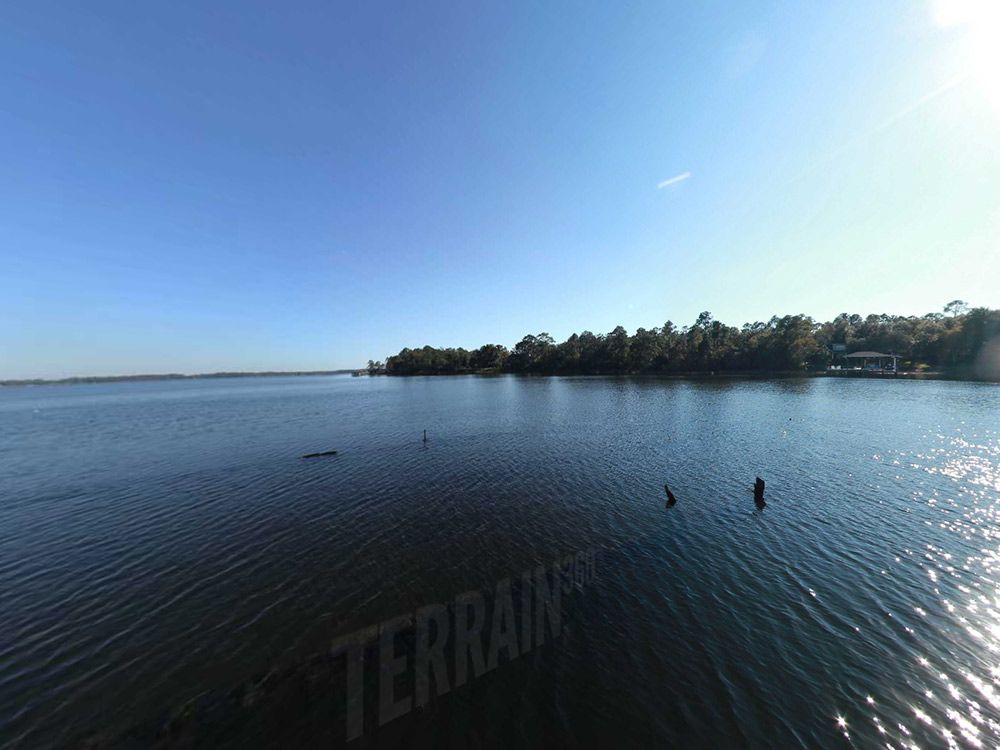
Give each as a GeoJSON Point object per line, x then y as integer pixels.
{"type": "Point", "coordinates": [671, 500]}
{"type": "Point", "coordinates": [758, 493]}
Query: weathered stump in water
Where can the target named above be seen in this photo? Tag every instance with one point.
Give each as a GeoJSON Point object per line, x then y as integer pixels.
{"type": "Point", "coordinates": [671, 500]}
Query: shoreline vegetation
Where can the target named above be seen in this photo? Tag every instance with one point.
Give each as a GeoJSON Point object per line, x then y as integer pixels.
{"type": "Point", "coordinates": [958, 343]}
{"type": "Point", "coordinates": [168, 376]}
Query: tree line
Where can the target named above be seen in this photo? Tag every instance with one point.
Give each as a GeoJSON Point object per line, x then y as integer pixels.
{"type": "Point", "coordinates": [950, 340]}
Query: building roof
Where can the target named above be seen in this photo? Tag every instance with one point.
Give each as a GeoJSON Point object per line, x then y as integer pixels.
{"type": "Point", "coordinates": [868, 354]}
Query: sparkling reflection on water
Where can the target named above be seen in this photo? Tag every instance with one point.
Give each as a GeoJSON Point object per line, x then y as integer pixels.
{"type": "Point", "coordinates": [164, 540]}
{"type": "Point", "coordinates": [952, 694]}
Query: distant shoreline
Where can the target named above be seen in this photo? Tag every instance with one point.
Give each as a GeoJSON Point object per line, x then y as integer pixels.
{"type": "Point", "coordinates": [961, 375]}
{"type": "Point", "coordinates": [166, 376]}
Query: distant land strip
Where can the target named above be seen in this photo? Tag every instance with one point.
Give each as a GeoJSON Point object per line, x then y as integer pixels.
{"type": "Point", "coordinates": [961, 342]}
{"type": "Point", "coordinates": [167, 376]}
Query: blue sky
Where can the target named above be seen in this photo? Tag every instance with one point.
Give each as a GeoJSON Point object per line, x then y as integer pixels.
{"type": "Point", "coordinates": [196, 186]}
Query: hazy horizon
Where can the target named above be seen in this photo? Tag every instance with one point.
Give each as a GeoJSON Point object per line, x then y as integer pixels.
{"type": "Point", "coordinates": [246, 188]}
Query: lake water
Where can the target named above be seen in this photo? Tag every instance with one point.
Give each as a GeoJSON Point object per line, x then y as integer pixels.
{"type": "Point", "coordinates": [171, 569]}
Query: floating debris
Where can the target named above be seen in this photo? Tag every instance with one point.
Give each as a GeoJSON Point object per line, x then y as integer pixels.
{"type": "Point", "coordinates": [321, 453]}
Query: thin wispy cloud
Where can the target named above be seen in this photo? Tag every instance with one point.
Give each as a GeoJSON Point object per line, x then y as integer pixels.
{"type": "Point", "coordinates": [673, 180]}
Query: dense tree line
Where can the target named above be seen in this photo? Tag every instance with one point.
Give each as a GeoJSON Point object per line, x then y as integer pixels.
{"type": "Point", "coordinates": [949, 340]}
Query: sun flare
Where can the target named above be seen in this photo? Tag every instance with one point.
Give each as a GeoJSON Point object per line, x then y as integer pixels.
{"type": "Point", "coordinates": [979, 22]}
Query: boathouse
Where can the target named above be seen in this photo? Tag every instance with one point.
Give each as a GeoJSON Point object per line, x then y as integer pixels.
{"type": "Point", "coordinates": [875, 361]}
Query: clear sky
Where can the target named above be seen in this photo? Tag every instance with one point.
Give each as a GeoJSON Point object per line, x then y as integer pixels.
{"type": "Point", "coordinates": [196, 186]}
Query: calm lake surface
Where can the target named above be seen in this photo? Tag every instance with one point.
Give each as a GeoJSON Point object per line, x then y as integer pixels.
{"type": "Point", "coordinates": [163, 545]}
